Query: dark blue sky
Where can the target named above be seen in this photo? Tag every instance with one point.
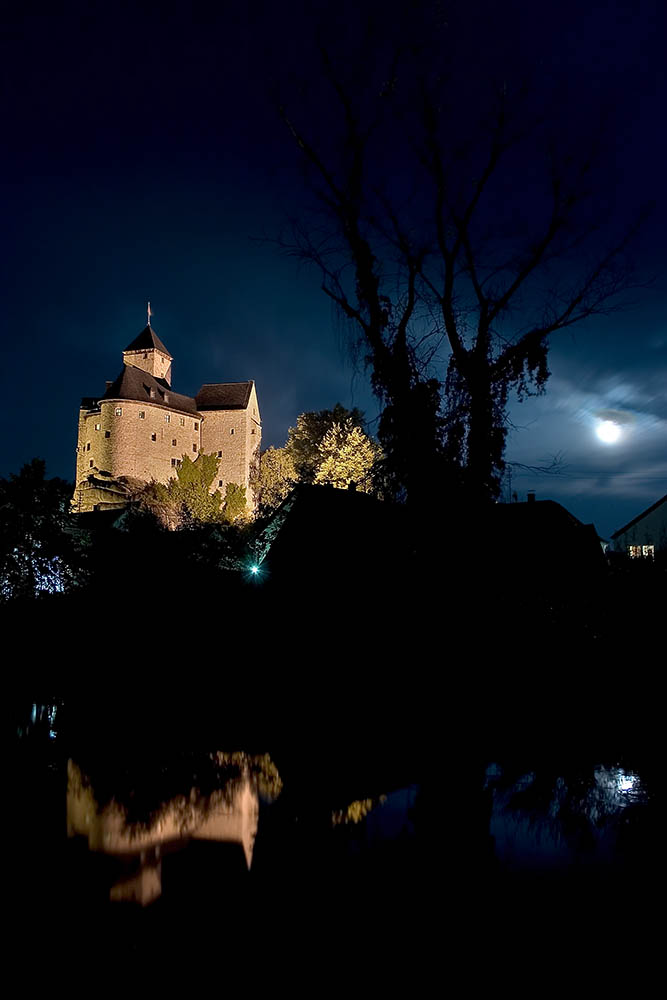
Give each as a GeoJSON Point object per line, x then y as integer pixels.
{"type": "Point", "coordinates": [143, 159]}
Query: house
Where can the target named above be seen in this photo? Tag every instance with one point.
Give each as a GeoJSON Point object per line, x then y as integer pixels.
{"type": "Point", "coordinates": [646, 534]}
{"type": "Point", "coordinates": [140, 429]}
{"type": "Point", "coordinates": [540, 542]}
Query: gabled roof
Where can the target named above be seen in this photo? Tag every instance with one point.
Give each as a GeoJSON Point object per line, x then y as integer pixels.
{"type": "Point", "coordinates": [649, 510]}
{"type": "Point", "coordinates": [134, 383]}
{"type": "Point", "coordinates": [224, 396]}
{"type": "Point", "coordinates": [148, 340]}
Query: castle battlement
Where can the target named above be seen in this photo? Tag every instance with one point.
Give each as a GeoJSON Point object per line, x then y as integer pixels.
{"type": "Point", "coordinates": [140, 429]}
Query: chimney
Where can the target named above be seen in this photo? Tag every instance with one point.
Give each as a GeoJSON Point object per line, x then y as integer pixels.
{"type": "Point", "coordinates": [530, 496]}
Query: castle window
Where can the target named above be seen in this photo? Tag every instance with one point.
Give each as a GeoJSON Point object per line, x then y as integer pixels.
{"type": "Point", "coordinates": [220, 481]}
{"type": "Point", "coordinates": [219, 454]}
{"type": "Point", "coordinates": [194, 447]}
{"type": "Point", "coordinates": [90, 464]}
{"type": "Point", "coordinates": [145, 356]}
{"type": "Point", "coordinates": [176, 463]}
{"type": "Point", "coordinates": [153, 437]}
{"type": "Point", "coordinates": [107, 434]}
{"type": "Point", "coordinates": [196, 426]}
{"type": "Point", "coordinates": [119, 411]}
{"type": "Point", "coordinates": [252, 431]}
{"type": "Point", "coordinates": [167, 418]}
{"type": "Point", "coordinates": [173, 442]}
{"type": "Point", "coordinates": [142, 414]}
{"type": "Point", "coordinates": [231, 431]}
{"type": "Point", "coordinates": [88, 446]}
{"type": "Point", "coordinates": [98, 427]}
{"type": "Point", "coordinates": [182, 421]}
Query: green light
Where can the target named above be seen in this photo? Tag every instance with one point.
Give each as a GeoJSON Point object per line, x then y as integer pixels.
{"type": "Point", "coordinates": [254, 570]}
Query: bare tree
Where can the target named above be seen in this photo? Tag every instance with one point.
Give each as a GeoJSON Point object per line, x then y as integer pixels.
{"type": "Point", "coordinates": [453, 290]}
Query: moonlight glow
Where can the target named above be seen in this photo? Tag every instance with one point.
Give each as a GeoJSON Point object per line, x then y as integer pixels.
{"type": "Point", "coordinates": [608, 431]}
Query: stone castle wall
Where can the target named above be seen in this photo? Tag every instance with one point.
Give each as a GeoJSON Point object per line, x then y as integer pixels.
{"type": "Point", "coordinates": [235, 437]}
{"type": "Point", "coordinates": [142, 440]}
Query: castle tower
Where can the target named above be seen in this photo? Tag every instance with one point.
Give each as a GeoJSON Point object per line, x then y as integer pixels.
{"type": "Point", "coordinates": [148, 353]}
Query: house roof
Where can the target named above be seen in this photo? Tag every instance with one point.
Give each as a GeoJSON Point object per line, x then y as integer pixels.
{"type": "Point", "coordinates": [649, 510]}
{"type": "Point", "coordinates": [224, 396]}
{"type": "Point", "coordinates": [148, 340]}
{"type": "Point", "coordinates": [134, 383]}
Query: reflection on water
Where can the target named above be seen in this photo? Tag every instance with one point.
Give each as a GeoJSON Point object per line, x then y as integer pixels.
{"type": "Point", "coordinates": [148, 829]}
{"type": "Point", "coordinates": [543, 819]}
{"type": "Point", "coordinates": [130, 824]}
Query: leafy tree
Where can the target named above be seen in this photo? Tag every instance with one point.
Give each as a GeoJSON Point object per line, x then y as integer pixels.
{"type": "Point", "coordinates": [347, 455]}
{"type": "Point", "coordinates": [273, 478]}
{"type": "Point", "coordinates": [37, 553]}
{"type": "Point", "coordinates": [187, 497]}
{"type": "Point", "coordinates": [235, 506]}
{"type": "Point", "coordinates": [303, 441]}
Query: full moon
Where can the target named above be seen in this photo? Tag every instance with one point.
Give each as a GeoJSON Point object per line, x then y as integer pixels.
{"type": "Point", "coordinates": [608, 431]}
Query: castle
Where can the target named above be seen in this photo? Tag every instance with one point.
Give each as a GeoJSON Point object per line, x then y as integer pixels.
{"type": "Point", "coordinates": [141, 430]}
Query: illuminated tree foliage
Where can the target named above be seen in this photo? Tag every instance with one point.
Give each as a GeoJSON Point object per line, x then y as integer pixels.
{"type": "Point", "coordinates": [37, 553]}
{"type": "Point", "coordinates": [325, 447]}
{"type": "Point", "coordinates": [234, 508]}
{"type": "Point", "coordinates": [187, 499]}
{"type": "Point", "coordinates": [303, 441]}
{"type": "Point", "coordinates": [347, 456]}
{"type": "Point", "coordinates": [273, 478]}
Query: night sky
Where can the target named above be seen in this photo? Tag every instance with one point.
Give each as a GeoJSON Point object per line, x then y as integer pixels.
{"type": "Point", "coordinates": [143, 158]}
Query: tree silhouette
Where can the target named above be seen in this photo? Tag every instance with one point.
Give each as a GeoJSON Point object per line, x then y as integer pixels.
{"type": "Point", "coordinates": [454, 248]}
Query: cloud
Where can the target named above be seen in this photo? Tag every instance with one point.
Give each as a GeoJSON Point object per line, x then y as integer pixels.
{"type": "Point", "coordinates": [621, 417]}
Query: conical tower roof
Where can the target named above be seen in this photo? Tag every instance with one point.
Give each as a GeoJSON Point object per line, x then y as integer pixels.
{"type": "Point", "coordinates": [146, 341]}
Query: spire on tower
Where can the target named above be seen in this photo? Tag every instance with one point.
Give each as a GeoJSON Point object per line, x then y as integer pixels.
{"type": "Point", "coordinates": [149, 314]}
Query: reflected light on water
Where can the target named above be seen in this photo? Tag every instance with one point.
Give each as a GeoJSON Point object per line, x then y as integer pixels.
{"type": "Point", "coordinates": [618, 787]}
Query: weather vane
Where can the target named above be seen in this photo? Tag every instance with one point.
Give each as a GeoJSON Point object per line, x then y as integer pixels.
{"type": "Point", "coordinates": [149, 314]}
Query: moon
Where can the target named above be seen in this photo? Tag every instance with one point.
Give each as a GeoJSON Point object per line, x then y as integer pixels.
{"type": "Point", "coordinates": [608, 431]}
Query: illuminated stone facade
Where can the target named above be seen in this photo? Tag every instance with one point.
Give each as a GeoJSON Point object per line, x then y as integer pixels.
{"type": "Point", "coordinates": [140, 429]}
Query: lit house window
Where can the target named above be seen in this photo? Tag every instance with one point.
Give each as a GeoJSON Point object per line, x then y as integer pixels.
{"type": "Point", "coordinates": [153, 437]}
{"type": "Point", "coordinates": [119, 411]}
{"type": "Point", "coordinates": [641, 551]}
{"type": "Point", "coordinates": [142, 414]}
